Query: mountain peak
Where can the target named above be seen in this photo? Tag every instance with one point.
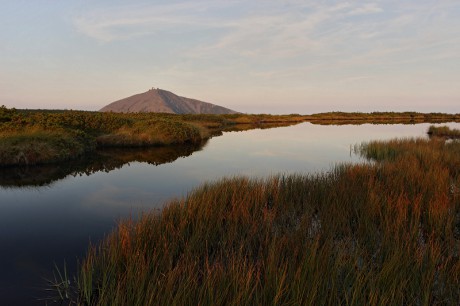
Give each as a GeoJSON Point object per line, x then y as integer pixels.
{"type": "Point", "coordinates": [162, 101]}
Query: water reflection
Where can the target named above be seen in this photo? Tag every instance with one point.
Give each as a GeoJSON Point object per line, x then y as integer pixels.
{"type": "Point", "coordinates": [377, 121]}
{"type": "Point", "coordinates": [82, 200]}
{"type": "Point", "coordinates": [103, 160]}
{"type": "Point", "coordinates": [109, 159]}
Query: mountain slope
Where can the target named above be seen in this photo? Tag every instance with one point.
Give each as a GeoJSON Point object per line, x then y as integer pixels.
{"type": "Point", "coordinates": [163, 101]}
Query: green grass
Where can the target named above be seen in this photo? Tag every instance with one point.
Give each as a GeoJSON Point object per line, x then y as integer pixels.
{"type": "Point", "coordinates": [381, 233]}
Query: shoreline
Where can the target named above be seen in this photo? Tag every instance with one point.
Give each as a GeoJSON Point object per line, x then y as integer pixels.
{"type": "Point", "coordinates": [37, 137]}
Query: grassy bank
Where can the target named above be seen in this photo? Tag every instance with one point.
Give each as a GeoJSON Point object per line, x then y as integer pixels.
{"type": "Point", "coordinates": [35, 146]}
{"type": "Point", "coordinates": [40, 137]}
{"type": "Point", "coordinates": [53, 136]}
{"type": "Point", "coordinates": [383, 233]}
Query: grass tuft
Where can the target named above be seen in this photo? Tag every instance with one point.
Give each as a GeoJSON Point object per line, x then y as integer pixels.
{"type": "Point", "coordinates": [382, 233]}
{"type": "Point", "coordinates": [443, 131]}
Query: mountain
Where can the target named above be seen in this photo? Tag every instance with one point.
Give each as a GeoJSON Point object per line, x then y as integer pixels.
{"type": "Point", "coordinates": [162, 101]}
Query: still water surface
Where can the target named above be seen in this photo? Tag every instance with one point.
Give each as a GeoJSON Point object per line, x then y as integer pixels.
{"type": "Point", "coordinates": [50, 214]}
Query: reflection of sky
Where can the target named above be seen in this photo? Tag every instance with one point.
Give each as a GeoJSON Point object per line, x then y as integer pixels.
{"type": "Point", "coordinates": [301, 148]}
{"type": "Point", "coordinates": [38, 226]}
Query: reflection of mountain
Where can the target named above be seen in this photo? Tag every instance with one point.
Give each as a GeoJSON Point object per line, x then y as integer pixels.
{"type": "Point", "coordinates": [102, 160]}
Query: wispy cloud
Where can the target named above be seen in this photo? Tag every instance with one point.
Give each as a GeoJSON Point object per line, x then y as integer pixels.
{"type": "Point", "coordinates": [290, 41]}
{"type": "Point", "coordinates": [353, 79]}
{"type": "Point", "coordinates": [131, 21]}
{"type": "Point", "coordinates": [369, 8]}
{"type": "Point", "coordinates": [271, 50]}
{"type": "Point", "coordinates": [275, 33]}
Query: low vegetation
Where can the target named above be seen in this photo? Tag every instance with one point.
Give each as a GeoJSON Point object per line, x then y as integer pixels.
{"type": "Point", "coordinates": [380, 233]}
{"type": "Point", "coordinates": [42, 146]}
{"type": "Point", "coordinates": [443, 131]}
{"type": "Point", "coordinates": [40, 137]}
{"type": "Point", "coordinates": [381, 118]}
{"type": "Point", "coordinates": [29, 137]}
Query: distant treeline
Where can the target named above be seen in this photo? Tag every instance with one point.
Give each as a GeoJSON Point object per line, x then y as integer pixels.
{"type": "Point", "coordinates": [381, 117]}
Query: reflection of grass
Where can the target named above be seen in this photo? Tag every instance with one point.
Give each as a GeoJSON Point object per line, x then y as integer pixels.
{"type": "Point", "coordinates": [339, 118]}
{"type": "Point", "coordinates": [443, 131]}
{"type": "Point", "coordinates": [386, 233]}
{"type": "Point", "coordinates": [79, 131]}
{"type": "Point", "coordinates": [106, 159]}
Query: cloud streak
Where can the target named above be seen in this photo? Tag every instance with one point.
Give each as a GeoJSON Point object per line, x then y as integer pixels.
{"type": "Point", "coordinates": [307, 44]}
{"type": "Point", "coordinates": [268, 31]}
{"type": "Point", "coordinates": [271, 50]}
{"type": "Point", "coordinates": [369, 8]}
{"type": "Point", "coordinates": [131, 21]}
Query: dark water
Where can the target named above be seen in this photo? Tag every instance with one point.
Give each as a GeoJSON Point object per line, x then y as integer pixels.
{"type": "Point", "coordinates": [50, 214]}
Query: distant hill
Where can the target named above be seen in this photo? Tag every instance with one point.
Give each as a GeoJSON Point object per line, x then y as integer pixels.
{"type": "Point", "coordinates": [162, 101]}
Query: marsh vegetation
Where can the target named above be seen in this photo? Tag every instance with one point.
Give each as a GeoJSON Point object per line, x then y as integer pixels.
{"type": "Point", "coordinates": [444, 132]}
{"type": "Point", "coordinates": [41, 137]}
{"type": "Point", "coordinates": [384, 232]}
{"type": "Point", "coordinates": [31, 137]}
{"type": "Point", "coordinates": [338, 118]}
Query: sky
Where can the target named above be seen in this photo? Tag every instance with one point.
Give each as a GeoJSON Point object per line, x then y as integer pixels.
{"type": "Point", "coordinates": [270, 56]}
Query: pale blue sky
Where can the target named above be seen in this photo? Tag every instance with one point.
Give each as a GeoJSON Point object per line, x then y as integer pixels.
{"type": "Point", "coordinates": [253, 56]}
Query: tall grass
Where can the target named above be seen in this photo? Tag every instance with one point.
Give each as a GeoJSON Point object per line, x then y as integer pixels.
{"type": "Point", "coordinates": [386, 233]}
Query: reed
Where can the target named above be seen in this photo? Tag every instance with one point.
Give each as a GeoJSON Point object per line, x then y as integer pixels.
{"type": "Point", "coordinates": [381, 233]}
